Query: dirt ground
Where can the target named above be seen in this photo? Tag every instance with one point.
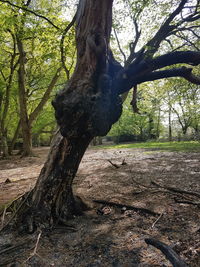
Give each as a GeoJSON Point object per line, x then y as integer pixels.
{"type": "Point", "coordinates": [108, 235]}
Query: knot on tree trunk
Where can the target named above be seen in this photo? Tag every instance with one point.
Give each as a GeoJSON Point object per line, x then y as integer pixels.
{"type": "Point", "coordinates": [88, 112]}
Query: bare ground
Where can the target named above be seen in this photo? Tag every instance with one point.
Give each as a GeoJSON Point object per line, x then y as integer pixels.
{"type": "Point", "coordinates": [107, 235]}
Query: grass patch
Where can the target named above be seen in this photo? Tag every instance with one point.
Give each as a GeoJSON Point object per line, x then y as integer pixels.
{"type": "Point", "coordinates": [189, 146]}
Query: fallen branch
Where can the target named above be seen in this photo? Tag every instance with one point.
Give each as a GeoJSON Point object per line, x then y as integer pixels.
{"type": "Point", "coordinates": [12, 248]}
{"type": "Point", "coordinates": [113, 164]}
{"type": "Point", "coordinates": [175, 190]}
{"type": "Point", "coordinates": [169, 253]}
{"type": "Point", "coordinates": [118, 205]}
{"type": "Point", "coordinates": [187, 202]}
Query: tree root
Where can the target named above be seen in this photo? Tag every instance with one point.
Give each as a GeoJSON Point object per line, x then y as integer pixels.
{"type": "Point", "coordinates": [169, 253]}
{"type": "Point", "coordinates": [118, 205]}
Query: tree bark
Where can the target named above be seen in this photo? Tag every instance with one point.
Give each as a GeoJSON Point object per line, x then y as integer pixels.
{"type": "Point", "coordinates": [86, 108]}
{"type": "Point", "coordinates": [52, 201]}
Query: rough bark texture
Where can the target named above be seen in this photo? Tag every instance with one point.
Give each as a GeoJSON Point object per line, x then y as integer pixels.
{"type": "Point", "coordinates": [52, 200]}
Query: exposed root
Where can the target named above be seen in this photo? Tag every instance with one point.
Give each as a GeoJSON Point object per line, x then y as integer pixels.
{"type": "Point", "coordinates": [118, 205]}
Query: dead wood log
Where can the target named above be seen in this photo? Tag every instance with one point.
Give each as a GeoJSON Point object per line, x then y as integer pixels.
{"type": "Point", "coordinates": [169, 253]}
{"type": "Point", "coordinates": [118, 205]}
{"type": "Point", "coordinates": [176, 190]}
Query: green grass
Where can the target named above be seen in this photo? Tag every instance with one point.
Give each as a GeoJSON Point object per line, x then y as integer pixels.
{"type": "Point", "coordinates": [189, 146]}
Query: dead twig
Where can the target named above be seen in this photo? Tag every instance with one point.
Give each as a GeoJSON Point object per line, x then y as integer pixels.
{"type": "Point", "coordinates": [176, 190]}
{"type": "Point", "coordinates": [157, 220]}
{"type": "Point", "coordinates": [35, 248]}
{"type": "Point", "coordinates": [169, 253]}
{"type": "Point", "coordinates": [118, 205]}
{"type": "Point", "coordinates": [113, 164]}
{"type": "Point", "coordinates": [187, 202]}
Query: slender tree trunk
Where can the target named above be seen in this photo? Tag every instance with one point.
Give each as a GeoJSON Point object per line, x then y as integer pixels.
{"type": "Point", "coordinates": [169, 124]}
{"type": "Point", "coordinates": [150, 128]}
{"type": "Point", "coordinates": [4, 144]}
{"type": "Point", "coordinates": [25, 125]}
{"type": "Point", "coordinates": [158, 124]}
{"type": "Point", "coordinates": [86, 108]}
{"type": "Point", "coordinates": [14, 139]}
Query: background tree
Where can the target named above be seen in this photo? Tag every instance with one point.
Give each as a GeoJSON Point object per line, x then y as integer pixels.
{"type": "Point", "coordinates": [37, 50]}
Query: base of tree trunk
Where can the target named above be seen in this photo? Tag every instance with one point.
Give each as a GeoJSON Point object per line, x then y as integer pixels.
{"type": "Point", "coordinates": [52, 201]}
{"type": "Point", "coordinates": [29, 219]}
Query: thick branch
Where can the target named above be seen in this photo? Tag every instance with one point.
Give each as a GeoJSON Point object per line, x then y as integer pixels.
{"type": "Point", "coordinates": [143, 71]}
{"type": "Point", "coordinates": [175, 72]}
{"type": "Point", "coordinates": [187, 57]}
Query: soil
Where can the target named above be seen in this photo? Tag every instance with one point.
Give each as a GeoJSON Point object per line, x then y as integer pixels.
{"type": "Point", "coordinates": [108, 235]}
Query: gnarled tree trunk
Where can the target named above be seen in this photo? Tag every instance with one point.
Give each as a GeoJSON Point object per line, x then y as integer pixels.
{"type": "Point", "coordinates": [86, 108]}
{"type": "Point", "coordinates": [90, 104]}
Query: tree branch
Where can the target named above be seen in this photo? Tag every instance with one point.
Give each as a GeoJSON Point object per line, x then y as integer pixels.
{"type": "Point", "coordinates": [144, 70]}
{"type": "Point", "coordinates": [62, 51]}
{"type": "Point", "coordinates": [45, 97]}
{"type": "Point", "coordinates": [164, 31]}
{"type": "Point", "coordinates": [119, 46]}
{"type": "Point", "coordinates": [178, 57]}
{"type": "Point", "coordinates": [175, 72]}
{"type": "Point", "coordinates": [32, 12]}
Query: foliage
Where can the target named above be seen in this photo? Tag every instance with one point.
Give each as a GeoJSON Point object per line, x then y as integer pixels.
{"type": "Point", "coordinates": [41, 42]}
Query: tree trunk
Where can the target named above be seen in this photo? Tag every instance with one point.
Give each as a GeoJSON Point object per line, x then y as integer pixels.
{"type": "Point", "coordinates": [170, 124]}
{"type": "Point", "coordinates": [4, 144]}
{"type": "Point", "coordinates": [86, 108]}
{"type": "Point", "coordinates": [52, 200]}
{"type": "Point", "coordinates": [14, 139]}
{"type": "Point", "coordinates": [158, 124]}
{"type": "Point", "coordinates": [25, 125]}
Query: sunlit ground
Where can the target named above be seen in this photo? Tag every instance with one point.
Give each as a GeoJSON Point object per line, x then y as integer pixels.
{"type": "Point", "coordinates": [186, 146]}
